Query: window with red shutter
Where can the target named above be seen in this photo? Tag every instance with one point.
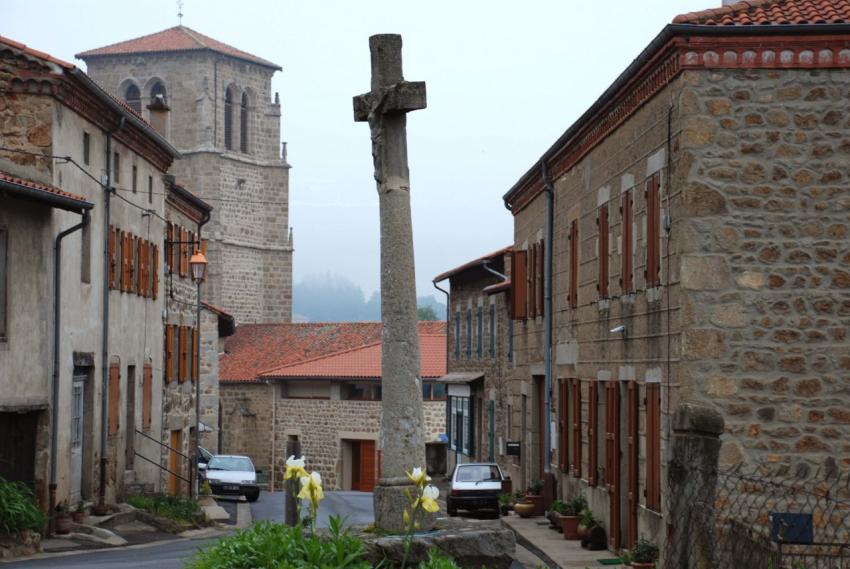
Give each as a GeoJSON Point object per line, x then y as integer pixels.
{"type": "Point", "coordinates": [653, 446]}
{"type": "Point", "coordinates": [541, 275]}
{"type": "Point", "coordinates": [593, 432]}
{"type": "Point", "coordinates": [155, 269]}
{"type": "Point", "coordinates": [573, 292]}
{"type": "Point", "coordinates": [141, 247]}
{"type": "Point", "coordinates": [653, 230]}
{"type": "Point", "coordinates": [147, 396]}
{"type": "Point", "coordinates": [532, 281]}
{"type": "Point", "coordinates": [183, 354]}
{"type": "Point", "coordinates": [169, 353]}
{"type": "Point", "coordinates": [563, 423]}
{"type": "Point", "coordinates": [184, 252]}
{"type": "Point", "coordinates": [114, 398]}
{"type": "Point", "coordinates": [576, 400]}
{"type": "Point", "coordinates": [518, 284]}
{"type": "Point", "coordinates": [627, 254]}
{"type": "Point", "coordinates": [169, 237]}
{"type": "Point", "coordinates": [602, 225]}
{"type": "Point", "coordinates": [176, 256]}
{"type": "Point", "coordinates": [117, 261]}
{"type": "Point", "coordinates": [111, 256]}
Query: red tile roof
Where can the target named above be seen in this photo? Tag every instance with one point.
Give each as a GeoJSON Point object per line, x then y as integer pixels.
{"type": "Point", "coordinates": [365, 362]}
{"type": "Point", "coordinates": [35, 53]}
{"type": "Point", "coordinates": [258, 348]}
{"type": "Point", "coordinates": [771, 12]}
{"type": "Point", "coordinates": [474, 263]}
{"type": "Point", "coordinates": [12, 183]}
{"type": "Point", "coordinates": [178, 38]}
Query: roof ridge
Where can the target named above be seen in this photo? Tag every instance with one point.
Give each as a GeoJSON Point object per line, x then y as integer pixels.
{"type": "Point", "coordinates": [113, 44]}
{"type": "Point", "coordinates": [194, 35]}
{"type": "Point", "coordinates": [770, 12]}
{"type": "Point", "coordinates": [321, 357]}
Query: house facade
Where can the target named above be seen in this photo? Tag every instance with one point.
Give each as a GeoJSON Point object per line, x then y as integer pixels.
{"type": "Point", "coordinates": [698, 255]}
{"type": "Point", "coordinates": [82, 302]}
{"type": "Point", "coordinates": [319, 384]}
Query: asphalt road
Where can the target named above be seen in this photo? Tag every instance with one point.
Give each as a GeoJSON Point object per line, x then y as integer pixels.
{"type": "Point", "coordinates": [355, 507]}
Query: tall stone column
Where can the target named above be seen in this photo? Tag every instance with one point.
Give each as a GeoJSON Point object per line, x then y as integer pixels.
{"type": "Point", "coordinates": [402, 435]}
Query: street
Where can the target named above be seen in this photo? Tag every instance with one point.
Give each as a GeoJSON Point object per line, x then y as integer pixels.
{"type": "Point", "coordinates": [355, 507]}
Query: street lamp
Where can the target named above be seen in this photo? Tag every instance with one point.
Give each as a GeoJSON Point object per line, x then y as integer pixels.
{"type": "Point", "coordinates": [198, 264]}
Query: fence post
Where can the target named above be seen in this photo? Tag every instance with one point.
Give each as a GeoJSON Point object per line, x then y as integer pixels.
{"type": "Point", "coordinates": [692, 481]}
{"type": "Point", "coordinates": [293, 448]}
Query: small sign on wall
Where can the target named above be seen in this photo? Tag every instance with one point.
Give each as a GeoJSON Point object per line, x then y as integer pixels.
{"type": "Point", "coordinates": [512, 448]}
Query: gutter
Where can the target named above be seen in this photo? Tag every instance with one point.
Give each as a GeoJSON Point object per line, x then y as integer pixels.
{"type": "Point", "coordinates": [57, 307]}
{"type": "Point", "coordinates": [667, 33]}
{"type": "Point", "coordinates": [448, 308]}
{"type": "Point", "coordinates": [53, 200]}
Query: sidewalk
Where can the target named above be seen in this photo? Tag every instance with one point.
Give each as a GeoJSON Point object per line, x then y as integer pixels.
{"type": "Point", "coordinates": [534, 533]}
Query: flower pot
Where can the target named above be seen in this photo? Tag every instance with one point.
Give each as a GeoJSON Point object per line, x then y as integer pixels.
{"type": "Point", "coordinates": [524, 509]}
{"type": "Point", "coordinates": [554, 520]}
{"type": "Point", "coordinates": [569, 524]}
{"type": "Point", "coordinates": [78, 517]}
{"type": "Point", "coordinates": [537, 500]}
{"type": "Point", "coordinates": [640, 565]}
{"type": "Point", "coordinates": [63, 524]}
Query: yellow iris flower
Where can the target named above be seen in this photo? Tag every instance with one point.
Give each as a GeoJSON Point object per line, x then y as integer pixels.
{"type": "Point", "coordinates": [311, 489]}
{"type": "Point", "coordinates": [428, 501]}
{"type": "Point", "coordinates": [295, 468]}
{"type": "Point", "coordinates": [419, 477]}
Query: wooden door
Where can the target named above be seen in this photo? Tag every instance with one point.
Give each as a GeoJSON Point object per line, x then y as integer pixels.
{"type": "Point", "coordinates": [355, 466]}
{"type": "Point", "coordinates": [632, 449]}
{"type": "Point", "coordinates": [77, 388]}
{"type": "Point", "coordinates": [612, 459]}
{"type": "Point", "coordinates": [174, 462]}
{"type": "Point", "coordinates": [367, 466]}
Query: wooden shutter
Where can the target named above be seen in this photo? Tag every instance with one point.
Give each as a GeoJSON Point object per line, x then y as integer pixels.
{"type": "Point", "coordinates": [576, 470]}
{"type": "Point", "coordinates": [111, 256]}
{"type": "Point", "coordinates": [573, 293]}
{"type": "Point", "coordinates": [612, 459]}
{"type": "Point", "coordinates": [562, 426]}
{"type": "Point", "coordinates": [141, 246]}
{"type": "Point", "coordinates": [169, 237]}
{"type": "Point", "coordinates": [532, 281]}
{"type": "Point", "coordinates": [155, 270]}
{"type": "Point", "coordinates": [626, 256]}
{"type": "Point", "coordinates": [541, 272]}
{"type": "Point", "coordinates": [123, 257]}
{"type": "Point", "coordinates": [169, 354]}
{"type": "Point", "coordinates": [632, 472]}
{"type": "Point", "coordinates": [653, 446]}
{"type": "Point", "coordinates": [653, 231]}
{"type": "Point", "coordinates": [602, 227]}
{"type": "Point", "coordinates": [183, 353]}
{"type": "Point", "coordinates": [114, 397]}
{"type": "Point", "coordinates": [174, 260]}
{"type": "Point", "coordinates": [196, 354]}
{"type": "Point", "coordinates": [134, 249]}
{"type": "Point", "coordinates": [118, 260]}
{"type": "Point", "coordinates": [184, 252]}
{"type": "Point", "coordinates": [593, 433]}
{"type": "Point", "coordinates": [147, 396]}
{"type": "Point", "coordinates": [518, 284]}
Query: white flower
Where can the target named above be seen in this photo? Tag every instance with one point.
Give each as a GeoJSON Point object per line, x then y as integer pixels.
{"type": "Point", "coordinates": [418, 476]}
{"type": "Point", "coordinates": [431, 492]}
{"type": "Point", "coordinates": [296, 462]}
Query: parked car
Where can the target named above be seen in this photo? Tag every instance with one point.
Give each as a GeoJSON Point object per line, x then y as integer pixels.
{"type": "Point", "coordinates": [475, 486]}
{"type": "Point", "coordinates": [233, 475]}
{"type": "Point", "coordinates": [204, 455]}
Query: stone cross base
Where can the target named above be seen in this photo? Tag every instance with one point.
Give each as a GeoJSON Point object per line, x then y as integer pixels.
{"type": "Point", "coordinates": [390, 501]}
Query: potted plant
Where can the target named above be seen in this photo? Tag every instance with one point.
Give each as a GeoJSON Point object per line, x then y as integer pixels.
{"type": "Point", "coordinates": [78, 514]}
{"type": "Point", "coordinates": [585, 523]}
{"type": "Point", "coordinates": [534, 494]}
{"type": "Point", "coordinates": [505, 503]}
{"type": "Point", "coordinates": [524, 508]}
{"type": "Point", "coordinates": [570, 519]}
{"type": "Point", "coordinates": [644, 554]}
{"type": "Point", "coordinates": [62, 518]}
{"type": "Point", "coordinates": [557, 510]}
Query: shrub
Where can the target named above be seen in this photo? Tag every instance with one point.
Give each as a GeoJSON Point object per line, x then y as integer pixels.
{"type": "Point", "coordinates": [536, 488]}
{"type": "Point", "coordinates": [576, 505]}
{"type": "Point", "coordinates": [645, 551]}
{"type": "Point", "coordinates": [18, 511]}
{"type": "Point", "coordinates": [587, 519]}
{"type": "Point", "coordinates": [559, 507]}
{"type": "Point", "coordinates": [172, 507]}
{"type": "Point", "coordinates": [437, 560]}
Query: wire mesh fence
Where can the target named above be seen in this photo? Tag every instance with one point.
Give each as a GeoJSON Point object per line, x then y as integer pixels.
{"type": "Point", "coordinates": [758, 520]}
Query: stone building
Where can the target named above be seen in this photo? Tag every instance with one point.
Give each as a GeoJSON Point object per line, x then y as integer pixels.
{"type": "Point", "coordinates": [318, 384]}
{"type": "Point", "coordinates": [479, 345]}
{"type": "Point", "coordinates": [82, 336]}
{"type": "Point", "coordinates": [214, 103]}
{"type": "Point", "coordinates": [699, 255]}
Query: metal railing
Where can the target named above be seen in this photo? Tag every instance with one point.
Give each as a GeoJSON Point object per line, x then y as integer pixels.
{"type": "Point", "coordinates": [157, 464]}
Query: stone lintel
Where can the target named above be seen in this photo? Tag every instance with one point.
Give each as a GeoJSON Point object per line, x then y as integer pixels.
{"type": "Point", "coordinates": [401, 97]}
{"type": "Point", "coordinates": [697, 419]}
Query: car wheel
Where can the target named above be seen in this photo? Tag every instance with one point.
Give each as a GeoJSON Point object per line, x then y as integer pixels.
{"type": "Point", "coordinates": [450, 508]}
{"type": "Point", "coordinates": [253, 496]}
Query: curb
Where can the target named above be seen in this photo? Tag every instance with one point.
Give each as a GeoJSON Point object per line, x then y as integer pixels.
{"type": "Point", "coordinates": [539, 553]}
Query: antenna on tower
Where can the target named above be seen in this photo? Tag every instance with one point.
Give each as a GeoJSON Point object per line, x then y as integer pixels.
{"type": "Point", "coordinates": [180, 12]}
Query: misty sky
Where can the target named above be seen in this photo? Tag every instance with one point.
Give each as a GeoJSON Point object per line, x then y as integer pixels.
{"type": "Point", "coordinates": [504, 80]}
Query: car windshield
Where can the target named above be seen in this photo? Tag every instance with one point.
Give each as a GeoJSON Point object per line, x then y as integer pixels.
{"type": "Point", "coordinates": [230, 463]}
{"type": "Point", "coordinates": [478, 473]}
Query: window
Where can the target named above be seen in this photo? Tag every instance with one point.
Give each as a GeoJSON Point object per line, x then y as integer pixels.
{"type": "Point", "coordinates": [433, 391]}
{"type": "Point", "coordinates": [169, 354]}
{"type": "Point", "coordinates": [576, 470]}
{"type": "Point", "coordinates": [361, 392]}
{"type": "Point", "coordinates": [540, 278]}
{"type": "Point", "coordinates": [593, 432]}
{"type": "Point", "coordinates": [85, 254]}
{"type": "Point", "coordinates": [653, 230]}
{"type": "Point", "coordinates": [563, 455]}
{"type": "Point", "coordinates": [243, 123]}
{"type": "Point", "coordinates": [460, 424]}
{"type": "Point", "coordinates": [510, 340]}
{"type": "Point", "coordinates": [492, 330]}
{"type": "Point", "coordinates": [653, 446]}
{"type": "Point", "coordinates": [116, 168]}
{"type": "Point", "coordinates": [228, 119]}
{"type": "Point", "coordinates": [627, 253]}
{"type": "Point", "coordinates": [468, 333]}
{"type": "Point", "coordinates": [183, 353]}
{"type": "Point", "coordinates": [150, 189]}
{"type": "Point", "coordinates": [133, 98]}
{"type": "Point", "coordinates": [479, 342]}
{"type": "Point", "coordinates": [4, 237]}
{"type": "Point", "coordinates": [158, 94]}
{"type": "Point", "coordinates": [114, 397]}
{"type": "Point", "coordinates": [147, 396]}
{"type": "Point", "coordinates": [573, 292]}
{"type": "Point", "coordinates": [86, 148]}
{"type": "Point", "coordinates": [135, 180]}
{"type": "Point", "coordinates": [457, 335]}
{"type": "Point", "coordinates": [531, 284]}
{"type": "Point", "coordinates": [518, 284]}
{"type": "Point", "coordinates": [602, 256]}
{"type": "Point", "coordinates": [169, 237]}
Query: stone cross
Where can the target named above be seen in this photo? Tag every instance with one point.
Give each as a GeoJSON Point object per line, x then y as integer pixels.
{"type": "Point", "coordinates": [402, 432]}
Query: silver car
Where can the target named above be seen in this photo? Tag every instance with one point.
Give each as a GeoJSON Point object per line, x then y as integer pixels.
{"type": "Point", "coordinates": [475, 486]}
{"type": "Point", "coordinates": [233, 474]}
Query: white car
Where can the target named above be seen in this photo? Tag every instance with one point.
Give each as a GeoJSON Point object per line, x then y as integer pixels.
{"type": "Point", "coordinates": [232, 474]}
{"type": "Point", "coordinates": [475, 486]}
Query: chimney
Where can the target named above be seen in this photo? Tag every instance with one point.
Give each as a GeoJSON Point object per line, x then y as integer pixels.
{"type": "Point", "coordinates": [159, 115]}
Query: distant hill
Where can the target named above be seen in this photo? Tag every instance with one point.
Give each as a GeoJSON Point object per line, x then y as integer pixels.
{"type": "Point", "coordinates": [334, 298]}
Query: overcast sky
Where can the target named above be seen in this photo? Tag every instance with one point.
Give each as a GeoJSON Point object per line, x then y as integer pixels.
{"type": "Point", "coordinates": [504, 80]}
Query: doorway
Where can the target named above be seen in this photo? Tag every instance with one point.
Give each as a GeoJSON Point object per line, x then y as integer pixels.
{"type": "Point", "coordinates": [363, 467]}
{"type": "Point", "coordinates": [17, 453]}
{"type": "Point", "coordinates": [176, 444]}
{"type": "Point", "coordinates": [130, 448]}
{"type": "Point", "coordinates": [78, 386]}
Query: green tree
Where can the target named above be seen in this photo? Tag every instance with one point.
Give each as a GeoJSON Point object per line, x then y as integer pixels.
{"type": "Point", "coordinates": [426, 313]}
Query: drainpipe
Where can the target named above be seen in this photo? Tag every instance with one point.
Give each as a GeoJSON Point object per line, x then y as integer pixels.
{"type": "Point", "coordinates": [195, 486]}
{"type": "Point", "coordinates": [492, 271]}
{"type": "Point", "coordinates": [448, 349]}
{"type": "Point", "coordinates": [547, 315]}
{"type": "Point", "coordinates": [100, 508]}
{"type": "Point", "coordinates": [448, 308]}
{"type": "Point", "coordinates": [57, 305]}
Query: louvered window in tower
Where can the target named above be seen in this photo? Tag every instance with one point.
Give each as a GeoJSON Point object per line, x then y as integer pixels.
{"type": "Point", "coordinates": [133, 98]}
{"type": "Point", "coordinates": [228, 120]}
{"type": "Point", "coordinates": [243, 124]}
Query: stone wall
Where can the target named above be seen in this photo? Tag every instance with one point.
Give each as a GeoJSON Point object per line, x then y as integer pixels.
{"type": "Point", "coordinates": [766, 267]}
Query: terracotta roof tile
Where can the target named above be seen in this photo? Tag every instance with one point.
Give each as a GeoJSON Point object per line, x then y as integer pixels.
{"type": "Point", "coordinates": [178, 38]}
{"type": "Point", "coordinates": [13, 182]}
{"type": "Point", "coordinates": [771, 12]}
{"type": "Point", "coordinates": [474, 263]}
{"type": "Point", "coordinates": [257, 348]}
{"type": "Point", "coordinates": [35, 53]}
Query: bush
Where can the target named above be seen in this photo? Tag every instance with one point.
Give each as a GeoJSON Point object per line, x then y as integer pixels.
{"type": "Point", "coordinates": [172, 507]}
{"type": "Point", "coordinates": [437, 560]}
{"type": "Point", "coordinates": [645, 551]}
{"type": "Point", "coordinates": [18, 511]}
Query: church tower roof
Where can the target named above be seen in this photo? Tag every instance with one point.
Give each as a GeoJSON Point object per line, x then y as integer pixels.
{"type": "Point", "coordinates": [176, 39]}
